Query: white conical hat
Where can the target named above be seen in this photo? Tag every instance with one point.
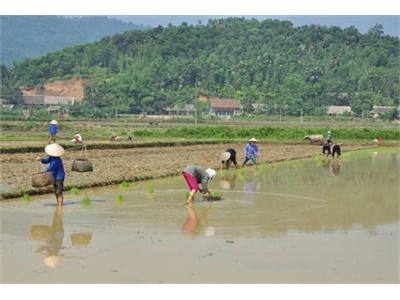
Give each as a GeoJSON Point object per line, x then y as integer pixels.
{"type": "Point", "coordinates": [53, 122]}
{"type": "Point", "coordinates": [54, 150]}
{"type": "Point", "coordinates": [253, 140]}
{"type": "Point", "coordinates": [225, 156]}
{"type": "Point", "coordinates": [211, 173]}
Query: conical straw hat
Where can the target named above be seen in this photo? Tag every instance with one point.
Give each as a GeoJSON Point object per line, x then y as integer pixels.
{"type": "Point", "coordinates": [52, 261]}
{"type": "Point", "coordinates": [54, 150]}
{"type": "Point", "coordinates": [225, 156]}
{"type": "Point", "coordinates": [253, 140]}
{"type": "Point", "coordinates": [53, 122]}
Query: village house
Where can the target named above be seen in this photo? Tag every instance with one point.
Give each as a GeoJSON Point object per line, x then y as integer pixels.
{"type": "Point", "coordinates": [379, 111]}
{"type": "Point", "coordinates": [37, 100]}
{"type": "Point", "coordinates": [338, 110]}
{"type": "Point", "coordinates": [224, 107]}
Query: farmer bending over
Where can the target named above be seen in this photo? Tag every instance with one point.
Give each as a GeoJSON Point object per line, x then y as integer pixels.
{"type": "Point", "coordinates": [77, 139]}
{"type": "Point", "coordinates": [336, 150]}
{"type": "Point", "coordinates": [56, 168]}
{"type": "Point", "coordinates": [228, 157]}
{"type": "Point", "coordinates": [326, 149]}
{"type": "Point", "coordinates": [195, 175]}
{"type": "Point", "coordinates": [251, 151]}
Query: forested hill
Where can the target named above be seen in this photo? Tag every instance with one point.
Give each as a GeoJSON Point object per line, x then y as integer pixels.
{"type": "Point", "coordinates": [33, 36]}
{"type": "Point", "coordinates": [272, 62]}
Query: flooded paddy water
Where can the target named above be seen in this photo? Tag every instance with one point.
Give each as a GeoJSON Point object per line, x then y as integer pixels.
{"type": "Point", "coordinates": [303, 221]}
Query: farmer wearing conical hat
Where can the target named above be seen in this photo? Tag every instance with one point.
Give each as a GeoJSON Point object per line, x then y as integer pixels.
{"type": "Point", "coordinates": [53, 129]}
{"type": "Point", "coordinates": [228, 157]}
{"type": "Point", "coordinates": [329, 137]}
{"type": "Point", "coordinates": [195, 176]}
{"type": "Point", "coordinates": [251, 151]}
{"type": "Point", "coordinates": [56, 168]}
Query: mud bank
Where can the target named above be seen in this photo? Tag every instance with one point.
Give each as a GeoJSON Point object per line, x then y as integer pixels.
{"type": "Point", "coordinates": [112, 166]}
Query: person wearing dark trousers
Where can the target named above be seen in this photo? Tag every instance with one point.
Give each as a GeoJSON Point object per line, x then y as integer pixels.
{"type": "Point", "coordinates": [227, 158]}
{"type": "Point", "coordinates": [56, 168]}
{"type": "Point", "coordinates": [326, 149]}
{"type": "Point", "coordinates": [336, 150]}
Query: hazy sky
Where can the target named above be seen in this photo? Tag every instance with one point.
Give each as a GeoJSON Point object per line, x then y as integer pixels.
{"type": "Point", "coordinates": [391, 24]}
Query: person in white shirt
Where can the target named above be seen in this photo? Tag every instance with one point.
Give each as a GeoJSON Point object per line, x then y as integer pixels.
{"type": "Point", "coordinates": [77, 139]}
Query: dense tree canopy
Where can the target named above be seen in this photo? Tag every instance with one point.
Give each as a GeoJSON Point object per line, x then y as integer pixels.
{"type": "Point", "coordinates": [269, 61]}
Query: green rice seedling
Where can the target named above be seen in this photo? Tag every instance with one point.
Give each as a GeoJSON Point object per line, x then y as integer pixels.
{"type": "Point", "coordinates": [27, 198]}
{"type": "Point", "coordinates": [186, 194]}
{"type": "Point", "coordinates": [317, 159]}
{"type": "Point", "coordinates": [120, 198]}
{"type": "Point", "coordinates": [74, 191]}
{"type": "Point", "coordinates": [86, 201]}
{"type": "Point", "coordinates": [125, 184]}
{"type": "Point", "coordinates": [150, 188]}
{"type": "Point", "coordinates": [241, 172]}
{"type": "Point", "coordinates": [216, 194]}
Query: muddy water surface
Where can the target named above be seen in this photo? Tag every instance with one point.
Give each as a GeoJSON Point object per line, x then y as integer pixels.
{"type": "Point", "coordinates": [293, 222]}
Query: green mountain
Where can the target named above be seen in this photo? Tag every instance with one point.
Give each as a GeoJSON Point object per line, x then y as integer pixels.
{"type": "Point", "coordinates": [33, 36]}
{"type": "Point", "coordinates": [271, 62]}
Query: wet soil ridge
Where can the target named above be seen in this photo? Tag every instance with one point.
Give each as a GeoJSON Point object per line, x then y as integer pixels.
{"type": "Point", "coordinates": [113, 166]}
{"type": "Point", "coordinates": [93, 146]}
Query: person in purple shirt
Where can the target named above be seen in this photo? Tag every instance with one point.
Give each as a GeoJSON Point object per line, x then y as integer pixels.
{"type": "Point", "coordinates": [53, 129]}
{"type": "Point", "coordinates": [251, 151]}
{"type": "Point", "coordinates": [56, 168]}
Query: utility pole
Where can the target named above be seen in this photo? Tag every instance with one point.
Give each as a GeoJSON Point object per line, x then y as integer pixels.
{"type": "Point", "coordinates": [195, 117]}
{"type": "Point", "coordinates": [301, 116]}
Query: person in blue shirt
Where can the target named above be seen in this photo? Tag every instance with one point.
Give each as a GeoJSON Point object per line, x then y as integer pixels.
{"type": "Point", "coordinates": [53, 129]}
{"type": "Point", "coordinates": [251, 151]}
{"type": "Point", "coordinates": [56, 168]}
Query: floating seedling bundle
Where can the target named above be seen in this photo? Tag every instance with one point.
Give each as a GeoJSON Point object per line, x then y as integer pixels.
{"type": "Point", "coordinates": [215, 196]}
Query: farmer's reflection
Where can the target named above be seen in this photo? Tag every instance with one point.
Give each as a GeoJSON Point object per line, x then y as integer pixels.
{"type": "Point", "coordinates": [228, 180]}
{"type": "Point", "coordinates": [195, 224]}
{"type": "Point", "coordinates": [53, 236]}
{"type": "Point", "coordinates": [335, 167]}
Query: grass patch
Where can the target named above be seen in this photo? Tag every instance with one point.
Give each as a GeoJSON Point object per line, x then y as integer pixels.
{"type": "Point", "coordinates": [279, 133]}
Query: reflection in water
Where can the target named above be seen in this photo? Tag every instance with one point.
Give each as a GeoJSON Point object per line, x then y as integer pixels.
{"type": "Point", "coordinates": [228, 180]}
{"type": "Point", "coordinates": [195, 224]}
{"type": "Point", "coordinates": [53, 236]}
{"type": "Point", "coordinates": [335, 167]}
{"type": "Point", "coordinates": [191, 221]}
{"type": "Point", "coordinates": [251, 182]}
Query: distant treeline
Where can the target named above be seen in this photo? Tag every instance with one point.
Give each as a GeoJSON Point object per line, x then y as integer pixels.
{"type": "Point", "coordinates": [296, 69]}
{"type": "Point", "coordinates": [25, 37]}
{"type": "Point", "coordinates": [224, 132]}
